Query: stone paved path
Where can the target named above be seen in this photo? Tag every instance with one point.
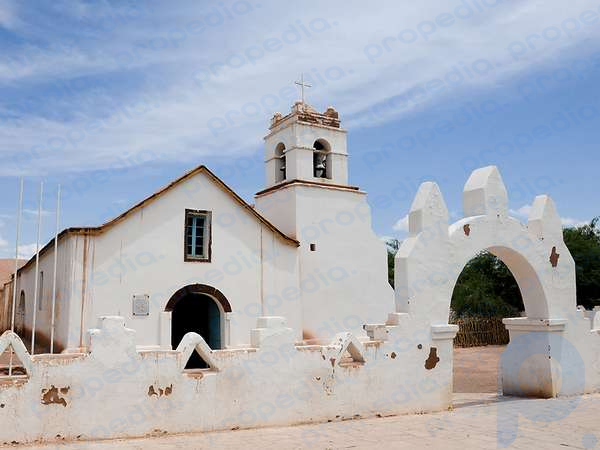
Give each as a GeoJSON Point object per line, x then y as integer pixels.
{"type": "Point", "coordinates": [472, 424]}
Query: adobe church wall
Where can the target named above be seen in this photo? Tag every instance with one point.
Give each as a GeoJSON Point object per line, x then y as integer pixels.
{"type": "Point", "coordinates": [65, 292]}
{"type": "Point", "coordinates": [348, 266]}
{"type": "Point", "coordinates": [144, 254]}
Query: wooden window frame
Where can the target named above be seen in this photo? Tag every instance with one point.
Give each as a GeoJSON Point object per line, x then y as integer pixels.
{"type": "Point", "coordinates": [208, 215]}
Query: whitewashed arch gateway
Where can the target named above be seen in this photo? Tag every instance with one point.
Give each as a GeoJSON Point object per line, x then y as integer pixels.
{"type": "Point", "coordinates": [430, 260]}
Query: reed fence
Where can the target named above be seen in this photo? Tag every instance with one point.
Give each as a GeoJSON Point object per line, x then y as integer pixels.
{"type": "Point", "coordinates": [478, 331]}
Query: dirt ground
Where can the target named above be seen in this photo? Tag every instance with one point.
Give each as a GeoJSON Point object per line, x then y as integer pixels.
{"type": "Point", "coordinates": [476, 369]}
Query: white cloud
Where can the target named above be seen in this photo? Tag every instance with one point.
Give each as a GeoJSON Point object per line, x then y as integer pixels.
{"type": "Point", "coordinates": [180, 111]}
{"type": "Point", "coordinates": [569, 222]}
{"type": "Point", "coordinates": [523, 214]}
{"type": "Point", "coordinates": [402, 224]}
{"type": "Point", "coordinates": [26, 251]}
{"type": "Point", "coordinates": [34, 212]}
{"type": "Point", "coordinates": [8, 16]}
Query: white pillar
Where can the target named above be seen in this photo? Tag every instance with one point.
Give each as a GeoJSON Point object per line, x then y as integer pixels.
{"type": "Point", "coordinates": [165, 330]}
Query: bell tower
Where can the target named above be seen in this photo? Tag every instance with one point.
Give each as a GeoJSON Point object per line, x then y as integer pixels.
{"type": "Point", "coordinates": [341, 263]}
{"type": "Point", "coordinates": [306, 145]}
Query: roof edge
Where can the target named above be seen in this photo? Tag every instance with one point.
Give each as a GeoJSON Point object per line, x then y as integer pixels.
{"type": "Point", "coordinates": [202, 168]}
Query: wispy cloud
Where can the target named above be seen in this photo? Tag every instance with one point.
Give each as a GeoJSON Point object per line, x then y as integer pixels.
{"type": "Point", "coordinates": [523, 214]}
{"type": "Point", "coordinates": [34, 212]}
{"type": "Point", "coordinates": [8, 14]}
{"type": "Point", "coordinates": [104, 74]}
{"type": "Point", "coordinates": [26, 251]}
{"type": "Point", "coordinates": [570, 222]}
{"type": "Point", "coordinates": [401, 224]}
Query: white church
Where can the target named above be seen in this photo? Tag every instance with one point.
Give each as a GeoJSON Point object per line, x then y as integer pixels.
{"type": "Point", "coordinates": [181, 294]}
{"type": "Point", "coordinates": [194, 256]}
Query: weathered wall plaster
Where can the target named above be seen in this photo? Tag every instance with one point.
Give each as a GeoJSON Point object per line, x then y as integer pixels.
{"type": "Point", "coordinates": [117, 391]}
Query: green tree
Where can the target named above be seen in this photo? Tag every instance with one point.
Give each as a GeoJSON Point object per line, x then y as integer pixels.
{"type": "Point", "coordinates": [584, 244]}
{"type": "Point", "coordinates": [486, 288]}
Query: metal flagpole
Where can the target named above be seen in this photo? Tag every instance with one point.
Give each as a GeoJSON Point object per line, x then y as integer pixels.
{"type": "Point", "coordinates": [37, 265]}
{"type": "Point", "coordinates": [14, 298]}
{"type": "Point", "coordinates": [54, 276]}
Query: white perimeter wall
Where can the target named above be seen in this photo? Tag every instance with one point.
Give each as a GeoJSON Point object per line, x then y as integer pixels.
{"type": "Point", "coordinates": [115, 391]}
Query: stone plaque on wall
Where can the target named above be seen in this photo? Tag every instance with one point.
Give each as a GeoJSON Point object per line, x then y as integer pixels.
{"type": "Point", "coordinates": [141, 305]}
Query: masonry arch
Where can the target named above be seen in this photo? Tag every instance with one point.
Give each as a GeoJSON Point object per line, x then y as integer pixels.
{"type": "Point", "coordinates": [200, 309]}
{"type": "Point", "coordinates": [513, 249]}
{"type": "Point", "coordinates": [431, 259]}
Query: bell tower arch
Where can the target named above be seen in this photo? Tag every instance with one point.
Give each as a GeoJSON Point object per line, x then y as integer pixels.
{"type": "Point", "coordinates": [311, 144]}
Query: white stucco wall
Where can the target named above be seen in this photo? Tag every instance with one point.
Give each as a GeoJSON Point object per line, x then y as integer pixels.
{"type": "Point", "coordinates": [98, 274]}
{"type": "Point", "coordinates": [65, 293]}
{"type": "Point", "coordinates": [344, 280]}
{"type": "Point", "coordinates": [144, 254]}
{"type": "Point", "coordinates": [115, 391]}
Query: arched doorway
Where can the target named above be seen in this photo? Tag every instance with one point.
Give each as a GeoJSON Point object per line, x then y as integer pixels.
{"type": "Point", "coordinates": [485, 293]}
{"type": "Point", "coordinates": [200, 309]}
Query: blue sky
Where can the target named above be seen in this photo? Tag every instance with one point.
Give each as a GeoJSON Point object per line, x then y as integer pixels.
{"type": "Point", "coordinates": [113, 100]}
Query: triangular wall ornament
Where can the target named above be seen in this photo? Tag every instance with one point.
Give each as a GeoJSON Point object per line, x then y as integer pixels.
{"type": "Point", "coordinates": [10, 339]}
{"type": "Point", "coordinates": [194, 342]}
{"type": "Point", "coordinates": [345, 349]}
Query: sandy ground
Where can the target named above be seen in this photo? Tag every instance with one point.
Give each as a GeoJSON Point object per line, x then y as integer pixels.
{"type": "Point", "coordinates": [476, 369]}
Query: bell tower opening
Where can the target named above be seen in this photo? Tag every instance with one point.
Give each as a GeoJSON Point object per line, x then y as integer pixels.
{"type": "Point", "coordinates": [321, 159]}
{"type": "Point", "coordinates": [280, 168]}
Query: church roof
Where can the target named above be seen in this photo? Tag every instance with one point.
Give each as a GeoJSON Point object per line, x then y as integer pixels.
{"type": "Point", "coordinates": [200, 169]}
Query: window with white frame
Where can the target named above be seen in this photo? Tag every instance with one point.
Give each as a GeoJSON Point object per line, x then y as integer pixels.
{"type": "Point", "coordinates": [197, 235]}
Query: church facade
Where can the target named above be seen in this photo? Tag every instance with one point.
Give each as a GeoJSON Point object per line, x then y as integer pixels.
{"type": "Point", "coordinates": [195, 256]}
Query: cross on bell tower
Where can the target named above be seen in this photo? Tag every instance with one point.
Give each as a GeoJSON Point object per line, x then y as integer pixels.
{"type": "Point", "coordinates": [302, 85]}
